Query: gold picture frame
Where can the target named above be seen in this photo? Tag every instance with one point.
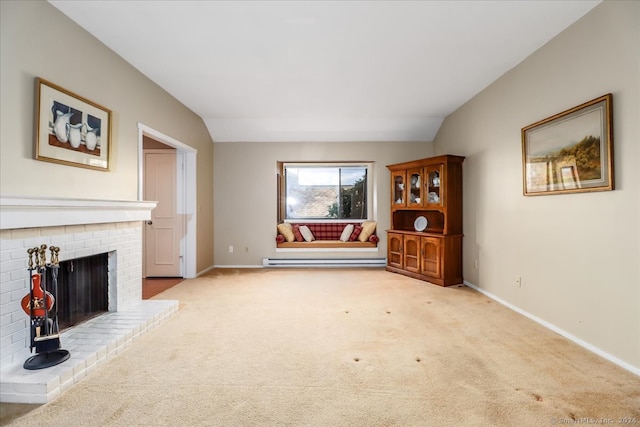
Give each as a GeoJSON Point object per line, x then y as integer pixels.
{"type": "Point", "coordinates": [71, 130]}
{"type": "Point", "coordinates": [570, 152]}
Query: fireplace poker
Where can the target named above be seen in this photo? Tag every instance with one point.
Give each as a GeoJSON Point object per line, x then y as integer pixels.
{"type": "Point", "coordinates": [55, 266]}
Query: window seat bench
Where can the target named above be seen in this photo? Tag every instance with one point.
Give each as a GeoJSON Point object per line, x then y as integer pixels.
{"type": "Point", "coordinates": [332, 235]}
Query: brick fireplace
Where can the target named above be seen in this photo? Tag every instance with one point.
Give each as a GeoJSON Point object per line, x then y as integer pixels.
{"type": "Point", "coordinates": [80, 228]}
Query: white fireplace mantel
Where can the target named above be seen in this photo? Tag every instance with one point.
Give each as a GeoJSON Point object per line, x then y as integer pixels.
{"type": "Point", "coordinates": [31, 212]}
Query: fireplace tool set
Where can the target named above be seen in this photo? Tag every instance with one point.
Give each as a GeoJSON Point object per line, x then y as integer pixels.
{"type": "Point", "coordinates": [40, 305]}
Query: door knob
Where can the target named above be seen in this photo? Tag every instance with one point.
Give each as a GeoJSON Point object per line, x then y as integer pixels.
{"type": "Point", "coordinates": [149, 222]}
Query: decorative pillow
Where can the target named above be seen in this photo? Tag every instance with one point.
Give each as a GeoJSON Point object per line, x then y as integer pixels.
{"type": "Point", "coordinates": [368, 227]}
{"type": "Point", "coordinates": [287, 231]}
{"type": "Point", "coordinates": [356, 232]}
{"type": "Point", "coordinates": [374, 239]}
{"type": "Point", "coordinates": [306, 233]}
{"type": "Point", "coordinates": [296, 233]}
{"type": "Point", "coordinates": [279, 238]}
{"type": "Point", "coordinates": [346, 233]}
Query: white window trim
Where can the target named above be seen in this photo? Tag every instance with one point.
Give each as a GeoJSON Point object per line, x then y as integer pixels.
{"type": "Point", "coordinates": [372, 198]}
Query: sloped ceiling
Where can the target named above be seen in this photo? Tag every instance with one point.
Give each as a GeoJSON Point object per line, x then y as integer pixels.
{"type": "Point", "coordinates": [324, 70]}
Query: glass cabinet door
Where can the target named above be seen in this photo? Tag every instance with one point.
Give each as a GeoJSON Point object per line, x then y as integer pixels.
{"type": "Point", "coordinates": [398, 191]}
{"type": "Point", "coordinates": [434, 185]}
{"type": "Point", "coordinates": [415, 187]}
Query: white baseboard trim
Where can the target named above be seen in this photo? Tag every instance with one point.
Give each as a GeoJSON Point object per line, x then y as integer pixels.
{"type": "Point", "coordinates": [238, 266]}
{"type": "Point", "coordinates": [200, 273]}
{"type": "Point", "coordinates": [633, 369]}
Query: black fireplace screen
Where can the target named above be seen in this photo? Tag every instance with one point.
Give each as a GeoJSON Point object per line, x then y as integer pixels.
{"type": "Point", "coordinates": [83, 289]}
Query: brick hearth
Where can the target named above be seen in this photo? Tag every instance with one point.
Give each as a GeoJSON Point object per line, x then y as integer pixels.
{"type": "Point", "coordinates": [90, 345]}
{"type": "Point", "coordinates": [80, 228]}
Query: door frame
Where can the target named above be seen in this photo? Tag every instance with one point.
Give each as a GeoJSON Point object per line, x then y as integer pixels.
{"type": "Point", "coordinates": [186, 199]}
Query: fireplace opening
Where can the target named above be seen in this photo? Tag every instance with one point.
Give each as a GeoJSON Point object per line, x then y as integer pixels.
{"type": "Point", "coordinates": [83, 289]}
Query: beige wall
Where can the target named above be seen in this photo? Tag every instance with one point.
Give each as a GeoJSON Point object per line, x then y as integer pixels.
{"type": "Point", "coordinates": [39, 41]}
{"type": "Point", "coordinates": [578, 254]}
{"type": "Point", "coordinates": [245, 192]}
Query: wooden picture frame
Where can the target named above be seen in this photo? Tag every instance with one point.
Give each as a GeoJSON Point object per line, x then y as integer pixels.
{"type": "Point", "coordinates": [70, 129]}
{"type": "Point", "coordinates": [570, 152]}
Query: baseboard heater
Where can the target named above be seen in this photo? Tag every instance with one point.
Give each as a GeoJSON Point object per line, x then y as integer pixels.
{"type": "Point", "coordinates": [324, 262]}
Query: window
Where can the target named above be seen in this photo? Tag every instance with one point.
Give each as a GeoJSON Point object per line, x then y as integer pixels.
{"type": "Point", "coordinates": [324, 191]}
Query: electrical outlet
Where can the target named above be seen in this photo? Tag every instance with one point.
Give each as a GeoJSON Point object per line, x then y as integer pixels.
{"type": "Point", "coordinates": [475, 264]}
{"type": "Point", "coordinates": [518, 281]}
{"type": "Point", "coordinates": [230, 249]}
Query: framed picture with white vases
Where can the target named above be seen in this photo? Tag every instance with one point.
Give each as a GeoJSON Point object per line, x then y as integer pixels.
{"type": "Point", "coordinates": [70, 129]}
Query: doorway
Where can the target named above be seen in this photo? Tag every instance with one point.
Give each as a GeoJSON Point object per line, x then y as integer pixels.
{"type": "Point", "coordinates": [184, 203]}
{"type": "Point", "coordinates": [164, 232]}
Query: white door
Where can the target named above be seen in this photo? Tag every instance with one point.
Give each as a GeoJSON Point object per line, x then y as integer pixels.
{"type": "Point", "coordinates": [164, 231]}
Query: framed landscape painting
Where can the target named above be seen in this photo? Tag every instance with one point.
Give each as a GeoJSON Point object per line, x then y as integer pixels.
{"type": "Point", "coordinates": [70, 129]}
{"type": "Point", "coordinates": [571, 151]}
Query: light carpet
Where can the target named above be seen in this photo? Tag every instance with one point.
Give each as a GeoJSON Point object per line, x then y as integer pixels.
{"type": "Point", "coordinates": [342, 347]}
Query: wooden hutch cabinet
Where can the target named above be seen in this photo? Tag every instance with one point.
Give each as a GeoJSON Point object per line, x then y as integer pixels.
{"type": "Point", "coordinates": [429, 189]}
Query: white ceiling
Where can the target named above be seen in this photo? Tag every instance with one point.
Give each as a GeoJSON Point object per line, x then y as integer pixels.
{"type": "Point", "coordinates": [324, 70]}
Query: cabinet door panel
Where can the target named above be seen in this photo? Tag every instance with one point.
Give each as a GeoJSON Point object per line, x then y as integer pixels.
{"type": "Point", "coordinates": [412, 253]}
{"type": "Point", "coordinates": [394, 250]}
{"type": "Point", "coordinates": [431, 257]}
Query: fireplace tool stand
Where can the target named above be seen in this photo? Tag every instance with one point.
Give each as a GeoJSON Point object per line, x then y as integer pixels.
{"type": "Point", "coordinates": [40, 305]}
